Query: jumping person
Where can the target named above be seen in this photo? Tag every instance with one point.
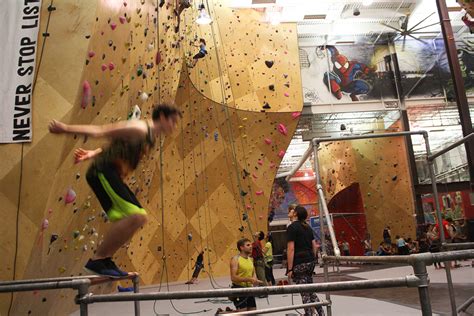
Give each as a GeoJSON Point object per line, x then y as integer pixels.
{"type": "Point", "coordinates": [197, 268]}
{"type": "Point", "coordinates": [129, 142]}
{"type": "Point", "coordinates": [201, 54]}
{"type": "Point", "coordinates": [302, 249]}
{"type": "Point", "coordinates": [242, 274]}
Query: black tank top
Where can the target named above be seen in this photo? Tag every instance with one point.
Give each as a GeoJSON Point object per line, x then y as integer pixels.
{"type": "Point", "coordinates": [126, 151]}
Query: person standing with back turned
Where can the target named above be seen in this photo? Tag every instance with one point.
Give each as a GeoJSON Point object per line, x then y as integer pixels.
{"type": "Point", "coordinates": [129, 142]}
{"type": "Point", "coordinates": [302, 250]}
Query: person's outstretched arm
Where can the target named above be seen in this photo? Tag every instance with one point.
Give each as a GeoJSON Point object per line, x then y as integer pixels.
{"type": "Point", "coordinates": [122, 129]}
{"type": "Point", "coordinates": [83, 154]}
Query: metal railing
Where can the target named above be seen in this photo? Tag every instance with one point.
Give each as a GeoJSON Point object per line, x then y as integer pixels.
{"type": "Point", "coordinates": [323, 204]}
{"type": "Point", "coordinates": [79, 283]}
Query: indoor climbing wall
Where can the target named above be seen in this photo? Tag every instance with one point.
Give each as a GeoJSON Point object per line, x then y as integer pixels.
{"type": "Point", "coordinates": [204, 188]}
{"type": "Point", "coordinates": [255, 60]}
{"type": "Point", "coordinates": [380, 167]}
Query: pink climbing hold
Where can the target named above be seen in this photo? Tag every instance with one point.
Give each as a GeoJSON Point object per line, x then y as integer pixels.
{"type": "Point", "coordinates": [254, 176]}
{"type": "Point", "coordinates": [86, 94]}
{"type": "Point", "coordinates": [122, 19]}
{"type": "Point", "coordinates": [286, 94]}
{"type": "Point", "coordinates": [113, 26]}
{"type": "Point", "coordinates": [259, 192]}
{"type": "Point", "coordinates": [282, 129]}
{"type": "Point", "coordinates": [281, 154]}
{"type": "Point", "coordinates": [260, 162]}
{"type": "Point", "coordinates": [45, 224]}
{"type": "Point", "coordinates": [70, 196]}
{"type": "Point", "coordinates": [249, 206]}
{"type": "Point", "coordinates": [111, 66]}
{"type": "Point", "coordinates": [272, 165]}
{"type": "Point", "coordinates": [103, 67]}
{"type": "Point", "coordinates": [268, 141]}
{"type": "Point", "coordinates": [295, 115]}
{"type": "Point", "coordinates": [91, 54]}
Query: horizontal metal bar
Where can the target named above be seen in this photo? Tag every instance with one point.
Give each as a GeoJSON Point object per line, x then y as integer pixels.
{"type": "Point", "coordinates": [281, 309]}
{"type": "Point", "coordinates": [460, 245]}
{"type": "Point", "coordinates": [464, 306]}
{"type": "Point", "coordinates": [95, 279]}
{"type": "Point", "coordinates": [450, 147]}
{"type": "Point", "coordinates": [408, 281]}
{"type": "Point", "coordinates": [317, 141]}
{"type": "Point", "coordinates": [428, 258]}
{"type": "Point", "coordinates": [72, 284]}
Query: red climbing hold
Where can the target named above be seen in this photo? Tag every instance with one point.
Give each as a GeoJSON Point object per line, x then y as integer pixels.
{"type": "Point", "coordinates": [91, 54]}
{"type": "Point", "coordinates": [103, 67]}
{"type": "Point", "coordinates": [86, 94]}
{"type": "Point", "coordinates": [111, 66]}
{"type": "Point", "coordinates": [281, 154]}
{"type": "Point", "coordinates": [295, 115]}
{"type": "Point", "coordinates": [70, 196]}
{"type": "Point", "coordinates": [122, 19]}
{"type": "Point", "coordinates": [259, 193]}
{"type": "Point", "coordinates": [268, 141]}
{"type": "Point", "coordinates": [113, 26]}
{"type": "Point", "coordinates": [282, 129]}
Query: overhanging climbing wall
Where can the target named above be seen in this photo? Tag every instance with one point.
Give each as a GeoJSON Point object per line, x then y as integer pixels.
{"type": "Point", "coordinates": [128, 55]}
{"type": "Point", "coordinates": [380, 167]}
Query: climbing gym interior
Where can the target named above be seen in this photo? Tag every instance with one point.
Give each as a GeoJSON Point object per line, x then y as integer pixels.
{"type": "Point", "coordinates": [206, 157]}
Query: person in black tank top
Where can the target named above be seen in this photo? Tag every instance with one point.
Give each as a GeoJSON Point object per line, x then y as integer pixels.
{"type": "Point", "coordinates": [129, 142]}
{"type": "Point", "coordinates": [302, 250]}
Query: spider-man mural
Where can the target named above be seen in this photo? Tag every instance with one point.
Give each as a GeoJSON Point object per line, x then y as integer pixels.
{"type": "Point", "coordinates": [347, 76]}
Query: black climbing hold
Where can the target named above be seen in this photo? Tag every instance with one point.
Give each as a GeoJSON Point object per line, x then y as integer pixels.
{"type": "Point", "coordinates": [51, 8]}
{"type": "Point", "coordinates": [88, 36]}
{"type": "Point", "coordinates": [266, 106]}
{"type": "Point", "coordinates": [243, 193]}
{"type": "Point", "coordinates": [245, 216]}
{"type": "Point", "coordinates": [241, 228]}
{"type": "Point", "coordinates": [269, 63]}
{"type": "Point", "coordinates": [394, 178]}
{"type": "Point", "coordinates": [271, 87]}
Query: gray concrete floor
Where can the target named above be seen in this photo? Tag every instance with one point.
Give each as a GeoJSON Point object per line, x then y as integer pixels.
{"type": "Point", "coordinates": [387, 302]}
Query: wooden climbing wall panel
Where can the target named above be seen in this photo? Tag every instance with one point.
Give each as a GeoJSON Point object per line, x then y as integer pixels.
{"type": "Point", "coordinates": [256, 60]}
{"type": "Point", "coordinates": [381, 169]}
{"type": "Point", "coordinates": [130, 56]}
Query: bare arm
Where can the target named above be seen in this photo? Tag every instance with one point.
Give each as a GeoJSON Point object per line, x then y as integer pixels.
{"type": "Point", "coordinates": [122, 129]}
{"type": "Point", "coordinates": [315, 248]}
{"type": "Point", "coordinates": [290, 252]}
{"type": "Point", "coordinates": [82, 154]}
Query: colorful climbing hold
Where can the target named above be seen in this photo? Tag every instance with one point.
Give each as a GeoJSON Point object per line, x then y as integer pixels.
{"type": "Point", "coordinates": [113, 26]}
{"type": "Point", "coordinates": [70, 196]}
{"type": "Point", "coordinates": [269, 63]}
{"type": "Point", "coordinates": [143, 96]}
{"type": "Point", "coordinates": [122, 19]}
{"type": "Point", "coordinates": [111, 66]}
{"type": "Point", "coordinates": [216, 136]}
{"type": "Point", "coordinates": [295, 115]}
{"type": "Point", "coordinates": [103, 67]}
{"type": "Point", "coordinates": [91, 54]}
{"type": "Point", "coordinates": [282, 129]}
{"type": "Point", "coordinates": [281, 153]}
{"type": "Point", "coordinates": [86, 94]}
{"type": "Point", "coordinates": [259, 192]}
{"type": "Point", "coordinates": [157, 58]}
{"type": "Point", "coordinates": [268, 141]}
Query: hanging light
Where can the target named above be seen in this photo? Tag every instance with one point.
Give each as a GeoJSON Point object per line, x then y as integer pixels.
{"type": "Point", "coordinates": [203, 18]}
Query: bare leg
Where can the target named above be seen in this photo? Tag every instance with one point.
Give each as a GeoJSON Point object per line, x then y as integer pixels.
{"type": "Point", "coordinates": [119, 233]}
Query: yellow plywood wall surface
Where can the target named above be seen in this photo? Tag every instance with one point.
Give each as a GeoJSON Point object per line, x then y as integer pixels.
{"type": "Point", "coordinates": [254, 59]}
{"type": "Point", "coordinates": [191, 187]}
{"type": "Point", "coordinates": [381, 169]}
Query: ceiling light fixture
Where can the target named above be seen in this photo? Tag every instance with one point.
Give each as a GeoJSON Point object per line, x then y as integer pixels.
{"type": "Point", "coordinates": [367, 2]}
{"type": "Point", "coordinates": [203, 18]}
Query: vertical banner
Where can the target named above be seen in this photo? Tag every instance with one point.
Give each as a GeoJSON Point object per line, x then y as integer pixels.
{"type": "Point", "coordinates": [19, 25]}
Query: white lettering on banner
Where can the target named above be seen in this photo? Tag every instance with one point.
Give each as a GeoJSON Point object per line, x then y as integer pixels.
{"type": "Point", "coordinates": [16, 84]}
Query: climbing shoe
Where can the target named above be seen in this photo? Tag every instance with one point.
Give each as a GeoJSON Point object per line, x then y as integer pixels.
{"type": "Point", "coordinates": [101, 267]}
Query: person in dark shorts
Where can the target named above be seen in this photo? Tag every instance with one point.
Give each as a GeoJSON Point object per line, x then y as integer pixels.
{"type": "Point", "coordinates": [130, 141]}
{"type": "Point", "coordinates": [197, 268]}
{"type": "Point", "coordinates": [242, 274]}
{"type": "Point", "coordinates": [201, 54]}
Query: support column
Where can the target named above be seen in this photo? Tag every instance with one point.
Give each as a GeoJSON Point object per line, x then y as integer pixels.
{"type": "Point", "coordinates": [458, 83]}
